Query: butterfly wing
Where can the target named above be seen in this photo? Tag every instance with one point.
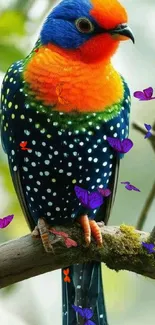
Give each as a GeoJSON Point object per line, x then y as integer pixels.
{"type": "Point", "coordinates": [148, 92]}
{"type": "Point", "coordinates": [128, 187]}
{"type": "Point", "coordinates": [95, 200]}
{"type": "Point", "coordinates": [78, 310]}
{"type": "Point", "coordinates": [6, 221]}
{"type": "Point", "coordinates": [127, 144]}
{"type": "Point", "coordinates": [148, 135]}
{"type": "Point", "coordinates": [82, 195]}
{"type": "Point", "coordinates": [105, 192]}
{"type": "Point", "coordinates": [66, 271]}
{"type": "Point", "coordinates": [140, 95]}
{"type": "Point", "coordinates": [135, 188]}
{"type": "Point", "coordinates": [114, 143]}
{"type": "Point", "coordinates": [88, 313]}
{"type": "Point", "coordinates": [148, 126]}
{"type": "Point", "coordinates": [149, 247]}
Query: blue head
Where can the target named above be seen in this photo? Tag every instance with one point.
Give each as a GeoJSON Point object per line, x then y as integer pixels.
{"type": "Point", "coordinates": [62, 27]}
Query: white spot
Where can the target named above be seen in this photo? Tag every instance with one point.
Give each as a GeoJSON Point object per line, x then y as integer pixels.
{"type": "Point", "coordinates": [47, 162]}
{"type": "Point", "coordinates": [25, 169]}
{"type": "Point", "coordinates": [105, 163]}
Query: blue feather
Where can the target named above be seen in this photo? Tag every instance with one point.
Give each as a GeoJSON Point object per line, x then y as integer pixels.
{"type": "Point", "coordinates": [62, 18]}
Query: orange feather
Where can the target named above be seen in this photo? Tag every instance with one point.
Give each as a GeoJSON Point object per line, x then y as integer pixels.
{"type": "Point", "coordinates": [108, 13]}
{"type": "Point", "coordinates": [84, 87]}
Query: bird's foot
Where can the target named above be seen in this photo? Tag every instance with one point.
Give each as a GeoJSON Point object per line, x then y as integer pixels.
{"type": "Point", "coordinates": [42, 230]}
{"type": "Point", "coordinates": [90, 227]}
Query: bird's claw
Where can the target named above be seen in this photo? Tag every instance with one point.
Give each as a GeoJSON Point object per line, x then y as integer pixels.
{"type": "Point", "coordinates": [42, 230]}
{"type": "Point", "coordinates": [90, 227]}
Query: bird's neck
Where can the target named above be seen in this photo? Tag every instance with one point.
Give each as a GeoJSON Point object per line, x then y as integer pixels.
{"type": "Point", "coordinates": [60, 77]}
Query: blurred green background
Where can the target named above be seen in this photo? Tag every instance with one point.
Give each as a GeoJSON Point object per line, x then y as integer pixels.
{"type": "Point", "coordinates": [130, 298]}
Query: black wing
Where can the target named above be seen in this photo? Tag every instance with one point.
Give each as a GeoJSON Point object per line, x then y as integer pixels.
{"type": "Point", "coordinates": [104, 212]}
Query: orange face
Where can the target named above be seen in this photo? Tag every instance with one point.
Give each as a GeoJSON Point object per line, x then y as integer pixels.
{"type": "Point", "coordinates": [108, 14]}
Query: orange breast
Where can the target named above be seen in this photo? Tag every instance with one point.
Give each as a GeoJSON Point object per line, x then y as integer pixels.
{"type": "Point", "coordinates": [72, 84]}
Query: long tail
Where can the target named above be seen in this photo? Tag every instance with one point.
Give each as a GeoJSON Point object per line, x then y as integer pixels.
{"type": "Point", "coordinates": [84, 290]}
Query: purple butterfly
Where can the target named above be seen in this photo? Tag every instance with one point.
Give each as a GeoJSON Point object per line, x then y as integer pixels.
{"type": "Point", "coordinates": [90, 201]}
{"type": "Point", "coordinates": [5, 221]}
{"type": "Point", "coordinates": [105, 192]}
{"type": "Point", "coordinates": [148, 128]}
{"type": "Point", "coordinates": [146, 94]}
{"type": "Point", "coordinates": [86, 313]}
{"type": "Point", "coordinates": [121, 146]}
{"type": "Point", "coordinates": [130, 187]}
{"type": "Point", "coordinates": [149, 247]}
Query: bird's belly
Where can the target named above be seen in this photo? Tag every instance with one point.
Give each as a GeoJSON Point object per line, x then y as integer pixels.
{"type": "Point", "coordinates": [56, 162]}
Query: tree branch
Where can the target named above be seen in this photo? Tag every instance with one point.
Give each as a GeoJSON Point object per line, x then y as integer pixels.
{"type": "Point", "coordinates": [25, 257]}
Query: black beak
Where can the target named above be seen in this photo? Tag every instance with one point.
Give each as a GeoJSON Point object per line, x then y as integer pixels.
{"type": "Point", "coordinates": [123, 29]}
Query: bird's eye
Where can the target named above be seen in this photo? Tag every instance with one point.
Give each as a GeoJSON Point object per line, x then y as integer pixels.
{"type": "Point", "coordinates": [84, 25]}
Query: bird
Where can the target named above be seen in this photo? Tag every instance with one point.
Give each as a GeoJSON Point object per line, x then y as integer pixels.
{"type": "Point", "coordinates": [64, 99]}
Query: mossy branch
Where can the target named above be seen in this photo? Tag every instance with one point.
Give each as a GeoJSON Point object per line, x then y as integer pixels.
{"type": "Point", "coordinates": [25, 257]}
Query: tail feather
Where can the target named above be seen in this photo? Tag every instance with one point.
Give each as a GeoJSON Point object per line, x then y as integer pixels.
{"type": "Point", "coordinates": [85, 290]}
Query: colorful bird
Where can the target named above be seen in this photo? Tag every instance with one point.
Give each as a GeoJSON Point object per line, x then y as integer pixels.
{"type": "Point", "coordinates": [65, 99]}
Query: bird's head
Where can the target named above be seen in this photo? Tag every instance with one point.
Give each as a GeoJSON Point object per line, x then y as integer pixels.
{"type": "Point", "coordinates": [93, 28]}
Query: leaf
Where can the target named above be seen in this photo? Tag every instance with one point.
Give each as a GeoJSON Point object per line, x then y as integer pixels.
{"type": "Point", "coordinates": [12, 23]}
{"type": "Point", "coordinates": [8, 55]}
